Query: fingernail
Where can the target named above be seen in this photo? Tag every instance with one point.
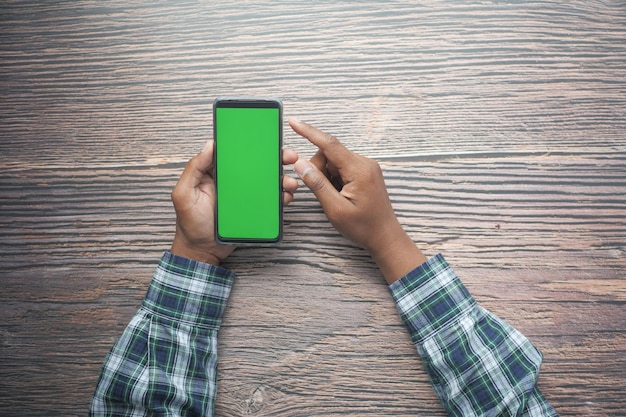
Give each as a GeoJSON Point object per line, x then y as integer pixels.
{"type": "Point", "coordinates": [302, 167]}
{"type": "Point", "coordinates": [295, 120]}
{"type": "Point", "coordinates": [208, 146]}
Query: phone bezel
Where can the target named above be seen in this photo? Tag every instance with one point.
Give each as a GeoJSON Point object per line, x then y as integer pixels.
{"type": "Point", "coordinates": [248, 102]}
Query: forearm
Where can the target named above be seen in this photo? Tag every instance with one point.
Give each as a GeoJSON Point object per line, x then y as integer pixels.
{"type": "Point", "coordinates": [176, 325]}
{"type": "Point", "coordinates": [478, 364]}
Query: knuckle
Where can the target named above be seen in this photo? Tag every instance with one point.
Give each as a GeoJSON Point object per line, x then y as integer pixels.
{"type": "Point", "coordinates": [370, 168]}
{"type": "Point", "coordinates": [316, 182]}
{"type": "Point", "coordinates": [373, 165]}
{"type": "Point", "coordinates": [375, 169]}
{"type": "Point", "coordinates": [330, 139]}
{"type": "Point", "coordinates": [175, 195]}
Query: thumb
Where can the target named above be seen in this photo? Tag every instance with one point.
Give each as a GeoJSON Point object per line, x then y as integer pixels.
{"type": "Point", "coordinates": [317, 182]}
{"type": "Point", "coordinates": [196, 168]}
{"type": "Point", "coordinates": [202, 163]}
{"type": "Point", "coordinates": [206, 156]}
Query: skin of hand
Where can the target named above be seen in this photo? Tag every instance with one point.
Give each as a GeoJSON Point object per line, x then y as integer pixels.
{"type": "Point", "coordinates": [352, 192]}
{"type": "Point", "coordinates": [194, 202]}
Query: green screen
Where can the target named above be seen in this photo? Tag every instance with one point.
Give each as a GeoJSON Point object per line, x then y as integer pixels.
{"type": "Point", "coordinates": [248, 173]}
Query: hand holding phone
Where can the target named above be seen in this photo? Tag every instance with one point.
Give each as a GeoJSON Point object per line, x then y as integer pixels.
{"type": "Point", "coordinates": [194, 201]}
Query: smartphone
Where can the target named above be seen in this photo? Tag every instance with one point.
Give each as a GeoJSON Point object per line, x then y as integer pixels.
{"type": "Point", "coordinates": [248, 170]}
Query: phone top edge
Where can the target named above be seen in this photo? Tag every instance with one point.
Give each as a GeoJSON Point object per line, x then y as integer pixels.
{"type": "Point", "coordinates": [245, 101]}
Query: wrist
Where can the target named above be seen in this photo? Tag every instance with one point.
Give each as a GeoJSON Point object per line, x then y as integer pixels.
{"type": "Point", "coordinates": [181, 248]}
{"type": "Point", "coordinates": [396, 255]}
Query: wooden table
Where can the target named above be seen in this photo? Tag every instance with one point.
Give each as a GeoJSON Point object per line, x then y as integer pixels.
{"type": "Point", "coordinates": [501, 129]}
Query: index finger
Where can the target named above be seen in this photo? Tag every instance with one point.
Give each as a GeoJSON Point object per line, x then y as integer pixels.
{"type": "Point", "coordinates": [334, 150]}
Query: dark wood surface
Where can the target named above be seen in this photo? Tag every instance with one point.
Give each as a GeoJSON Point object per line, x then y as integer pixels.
{"type": "Point", "coordinates": [500, 126]}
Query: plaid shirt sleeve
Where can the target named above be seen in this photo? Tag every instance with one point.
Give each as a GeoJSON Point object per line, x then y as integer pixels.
{"type": "Point", "coordinates": [166, 360]}
{"type": "Point", "coordinates": [478, 364]}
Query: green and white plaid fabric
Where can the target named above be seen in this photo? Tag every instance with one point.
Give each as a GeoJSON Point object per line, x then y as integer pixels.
{"type": "Point", "coordinates": [165, 362]}
{"type": "Point", "coordinates": [479, 365]}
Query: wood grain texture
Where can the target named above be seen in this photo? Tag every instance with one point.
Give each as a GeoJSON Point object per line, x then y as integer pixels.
{"type": "Point", "coordinates": [500, 127]}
